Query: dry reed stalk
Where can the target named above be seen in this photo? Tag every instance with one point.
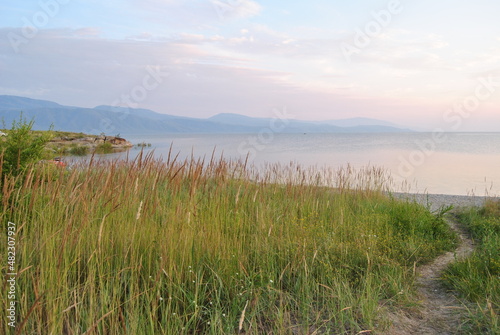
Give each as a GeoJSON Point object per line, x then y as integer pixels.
{"type": "Point", "coordinates": [138, 215]}
{"type": "Point", "coordinates": [242, 318]}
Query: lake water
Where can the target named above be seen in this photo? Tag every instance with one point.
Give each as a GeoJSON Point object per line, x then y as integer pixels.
{"type": "Point", "coordinates": [452, 163]}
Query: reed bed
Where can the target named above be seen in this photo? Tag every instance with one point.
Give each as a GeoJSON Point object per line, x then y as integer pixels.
{"type": "Point", "coordinates": [212, 247]}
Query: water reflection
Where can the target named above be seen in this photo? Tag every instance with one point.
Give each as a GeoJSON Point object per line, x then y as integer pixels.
{"type": "Point", "coordinates": [463, 163]}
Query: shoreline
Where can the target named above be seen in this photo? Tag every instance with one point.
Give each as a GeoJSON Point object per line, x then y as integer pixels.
{"type": "Point", "coordinates": [437, 201]}
{"type": "Point", "coordinates": [433, 201]}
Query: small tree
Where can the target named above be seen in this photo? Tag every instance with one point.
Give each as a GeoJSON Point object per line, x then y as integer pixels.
{"type": "Point", "coordinates": [21, 147]}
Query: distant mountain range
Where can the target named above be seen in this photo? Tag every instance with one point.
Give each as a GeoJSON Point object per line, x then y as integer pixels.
{"type": "Point", "coordinates": [113, 120]}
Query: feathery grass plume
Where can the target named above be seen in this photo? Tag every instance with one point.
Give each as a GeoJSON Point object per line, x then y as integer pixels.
{"type": "Point", "coordinates": [242, 317]}
{"type": "Point", "coordinates": [138, 215]}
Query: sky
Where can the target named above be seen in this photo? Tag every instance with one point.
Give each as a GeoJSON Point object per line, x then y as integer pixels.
{"type": "Point", "coordinates": [432, 65]}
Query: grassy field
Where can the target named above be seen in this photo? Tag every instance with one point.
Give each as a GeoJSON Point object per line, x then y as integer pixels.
{"type": "Point", "coordinates": [477, 278]}
{"type": "Point", "coordinates": [215, 247]}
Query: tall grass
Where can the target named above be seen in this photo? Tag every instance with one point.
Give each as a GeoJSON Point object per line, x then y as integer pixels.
{"type": "Point", "coordinates": [184, 247]}
{"type": "Point", "coordinates": [478, 277]}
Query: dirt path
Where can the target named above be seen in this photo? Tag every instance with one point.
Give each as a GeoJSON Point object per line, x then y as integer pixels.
{"type": "Point", "coordinates": [440, 312]}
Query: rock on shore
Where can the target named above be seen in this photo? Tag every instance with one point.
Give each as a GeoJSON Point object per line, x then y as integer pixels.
{"type": "Point", "coordinates": [92, 141]}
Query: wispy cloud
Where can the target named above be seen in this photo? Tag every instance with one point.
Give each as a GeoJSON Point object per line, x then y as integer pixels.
{"type": "Point", "coordinates": [196, 14]}
{"type": "Point", "coordinates": [247, 55]}
{"type": "Point", "coordinates": [230, 9]}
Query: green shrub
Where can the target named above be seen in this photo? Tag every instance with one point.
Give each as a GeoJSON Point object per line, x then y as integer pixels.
{"type": "Point", "coordinates": [79, 150]}
{"type": "Point", "coordinates": [21, 147]}
{"type": "Point", "coordinates": [104, 148]}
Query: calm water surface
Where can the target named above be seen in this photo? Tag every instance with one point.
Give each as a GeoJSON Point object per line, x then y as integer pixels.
{"type": "Point", "coordinates": [455, 163]}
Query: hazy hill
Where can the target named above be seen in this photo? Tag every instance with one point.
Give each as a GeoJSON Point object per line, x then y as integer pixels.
{"type": "Point", "coordinates": [15, 102]}
{"type": "Point", "coordinates": [342, 126]}
{"type": "Point", "coordinates": [361, 121]}
{"type": "Point", "coordinates": [113, 120]}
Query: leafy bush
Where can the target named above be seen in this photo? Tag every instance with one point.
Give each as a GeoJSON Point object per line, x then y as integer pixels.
{"type": "Point", "coordinates": [21, 147]}
{"type": "Point", "coordinates": [104, 148]}
{"type": "Point", "coordinates": [79, 150]}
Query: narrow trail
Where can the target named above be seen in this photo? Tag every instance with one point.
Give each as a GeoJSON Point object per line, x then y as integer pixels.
{"type": "Point", "coordinates": [440, 311]}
